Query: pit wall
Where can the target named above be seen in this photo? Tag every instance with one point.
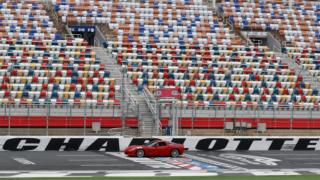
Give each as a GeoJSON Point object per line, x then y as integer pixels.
{"type": "Point", "coordinates": [192, 143]}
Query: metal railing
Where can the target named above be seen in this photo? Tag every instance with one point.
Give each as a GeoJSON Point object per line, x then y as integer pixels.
{"type": "Point", "coordinates": [283, 117]}
{"type": "Point", "coordinates": [59, 119]}
{"type": "Point", "coordinates": [99, 38]}
{"type": "Point", "coordinates": [154, 108]}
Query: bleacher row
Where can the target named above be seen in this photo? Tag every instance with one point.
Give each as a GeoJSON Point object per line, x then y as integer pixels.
{"type": "Point", "coordinates": [38, 66]}
{"type": "Point", "coordinates": [25, 19]}
{"type": "Point", "coordinates": [181, 44]}
{"type": "Point", "coordinates": [298, 26]}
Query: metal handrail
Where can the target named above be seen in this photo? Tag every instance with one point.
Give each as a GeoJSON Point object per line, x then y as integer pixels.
{"type": "Point", "coordinates": [129, 95]}
{"type": "Point", "coordinates": [260, 107]}
{"type": "Point", "coordinates": [100, 36]}
{"type": "Point", "coordinates": [277, 45]}
{"type": "Point", "coordinates": [152, 105]}
{"type": "Point", "coordinates": [148, 97]}
{"type": "Point", "coordinates": [56, 17]}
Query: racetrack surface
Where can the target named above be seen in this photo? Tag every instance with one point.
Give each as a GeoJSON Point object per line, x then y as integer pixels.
{"type": "Point", "coordinates": [73, 163]}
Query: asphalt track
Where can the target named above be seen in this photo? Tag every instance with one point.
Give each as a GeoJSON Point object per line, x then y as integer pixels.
{"type": "Point", "coordinates": [57, 164]}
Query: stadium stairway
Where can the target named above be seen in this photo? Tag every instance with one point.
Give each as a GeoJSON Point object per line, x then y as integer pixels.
{"type": "Point", "coordinates": [144, 114]}
{"type": "Point", "coordinates": [237, 32]}
{"type": "Point", "coordinates": [291, 63]}
{"type": "Point", "coordinates": [284, 57]}
{"type": "Point", "coordinates": [299, 70]}
{"type": "Point", "coordinates": [57, 21]}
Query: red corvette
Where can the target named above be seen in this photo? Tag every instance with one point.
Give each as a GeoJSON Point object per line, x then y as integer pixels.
{"type": "Point", "coordinates": [155, 148]}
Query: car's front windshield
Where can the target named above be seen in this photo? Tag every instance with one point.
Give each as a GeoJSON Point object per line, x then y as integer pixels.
{"type": "Point", "coordinates": [151, 143]}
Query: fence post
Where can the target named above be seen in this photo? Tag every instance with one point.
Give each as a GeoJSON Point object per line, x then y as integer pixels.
{"type": "Point", "coordinates": [85, 120]}
{"type": "Point", "coordinates": [193, 114]}
{"type": "Point", "coordinates": [258, 110]}
{"type": "Point", "coordinates": [28, 119]}
{"type": "Point", "coordinates": [256, 118]}
{"type": "Point", "coordinates": [123, 116]}
{"type": "Point", "coordinates": [311, 121]}
{"type": "Point", "coordinates": [47, 119]}
{"type": "Point", "coordinates": [70, 115]}
{"type": "Point", "coordinates": [92, 111]}
{"type": "Point", "coordinates": [291, 118]}
{"type": "Point", "coordinates": [224, 119]}
{"type": "Point", "coordinates": [9, 122]}
{"type": "Point", "coordinates": [179, 122]}
{"type": "Point", "coordinates": [139, 122]}
{"type": "Point", "coordinates": [5, 110]}
{"type": "Point", "coordinates": [274, 115]}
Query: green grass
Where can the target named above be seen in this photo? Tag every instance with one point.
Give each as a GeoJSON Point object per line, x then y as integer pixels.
{"type": "Point", "coordinates": [311, 177]}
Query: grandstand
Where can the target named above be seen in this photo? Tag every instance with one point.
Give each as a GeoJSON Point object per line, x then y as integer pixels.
{"type": "Point", "coordinates": [48, 80]}
{"type": "Point", "coordinates": [238, 62]}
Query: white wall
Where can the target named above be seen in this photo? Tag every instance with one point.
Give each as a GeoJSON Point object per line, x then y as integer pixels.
{"type": "Point", "coordinates": [192, 143]}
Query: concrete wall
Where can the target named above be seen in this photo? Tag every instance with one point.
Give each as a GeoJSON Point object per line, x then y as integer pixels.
{"type": "Point", "coordinates": [192, 143]}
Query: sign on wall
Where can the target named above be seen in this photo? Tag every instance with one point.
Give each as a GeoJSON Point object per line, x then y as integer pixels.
{"type": "Point", "coordinates": [114, 144]}
{"type": "Point", "coordinates": [166, 93]}
{"type": "Point", "coordinates": [82, 28]}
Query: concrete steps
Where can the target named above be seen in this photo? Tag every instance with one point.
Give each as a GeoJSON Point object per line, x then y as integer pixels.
{"type": "Point", "coordinates": [144, 115]}
{"type": "Point", "coordinates": [56, 20]}
{"type": "Point", "coordinates": [307, 77]}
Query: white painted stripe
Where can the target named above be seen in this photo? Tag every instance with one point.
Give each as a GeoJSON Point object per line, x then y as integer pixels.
{"type": "Point", "coordinates": [79, 176]}
{"type": "Point", "coordinates": [193, 174]}
{"type": "Point", "coordinates": [39, 174]}
{"type": "Point", "coordinates": [314, 158]}
{"type": "Point", "coordinates": [145, 161]}
{"type": "Point", "coordinates": [291, 154]}
{"type": "Point", "coordinates": [106, 165]}
{"type": "Point", "coordinates": [131, 175]}
{"type": "Point", "coordinates": [24, 161]}
{"type": "Point", "coordinates": [49, 171]}
{"type": "Point", "coordinates": [311, 163]}
{"type": "Point", "coordinates": [147, 174]}
{"type": "Point", "coordinates": [315, 171]}
{"type": "Point", "coordinates": [80, 155]}
{"type": "Point", "coordinates": [91, 160]}
{"type": "Point", "coordinates": [195, 168]}
{"type": "Point", "coordinates": [223, 159]}
{"type": "Point", "coordinates": [274, 173]}
{"type": "Point", "coordinates": [216, 163]}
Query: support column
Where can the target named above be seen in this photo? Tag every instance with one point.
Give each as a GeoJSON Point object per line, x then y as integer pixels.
{"type": "Point", "coordinates": [290, 4]}
{"type": "Point", "coordinates": [214, 4]}
{"type": "Point", "coordinates": [123, 103]}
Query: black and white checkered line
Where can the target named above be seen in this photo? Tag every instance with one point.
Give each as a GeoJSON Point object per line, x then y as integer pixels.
{"type": "Point", "coordinates": [257, 172]}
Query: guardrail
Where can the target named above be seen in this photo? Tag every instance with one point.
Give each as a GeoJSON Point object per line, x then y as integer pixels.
{"type": "Point", "coordinates": [15, 119]}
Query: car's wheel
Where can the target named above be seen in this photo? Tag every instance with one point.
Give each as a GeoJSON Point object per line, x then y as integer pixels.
{"type": "Point", "coordinates": [140, 153]}
{"type": "Point", "coordinates": [174, 153]}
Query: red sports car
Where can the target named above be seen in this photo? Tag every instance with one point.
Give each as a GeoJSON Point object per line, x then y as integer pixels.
{"type": "Point", "coordinates": [155, 148]}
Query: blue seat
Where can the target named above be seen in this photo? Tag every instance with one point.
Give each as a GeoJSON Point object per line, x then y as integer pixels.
{"type": "Point", "coordinates": [55, 87]}
{"type": "Point", "coordinates": [54, 95]}
{"type": "Point", "coordinates": [77, 95]}
{"type": "Point", "coordinates": [27, 87]}
{"type": "Point", "coordinates": [200, 97]}
{"type": "Point", "coordinates": [106, 74]}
